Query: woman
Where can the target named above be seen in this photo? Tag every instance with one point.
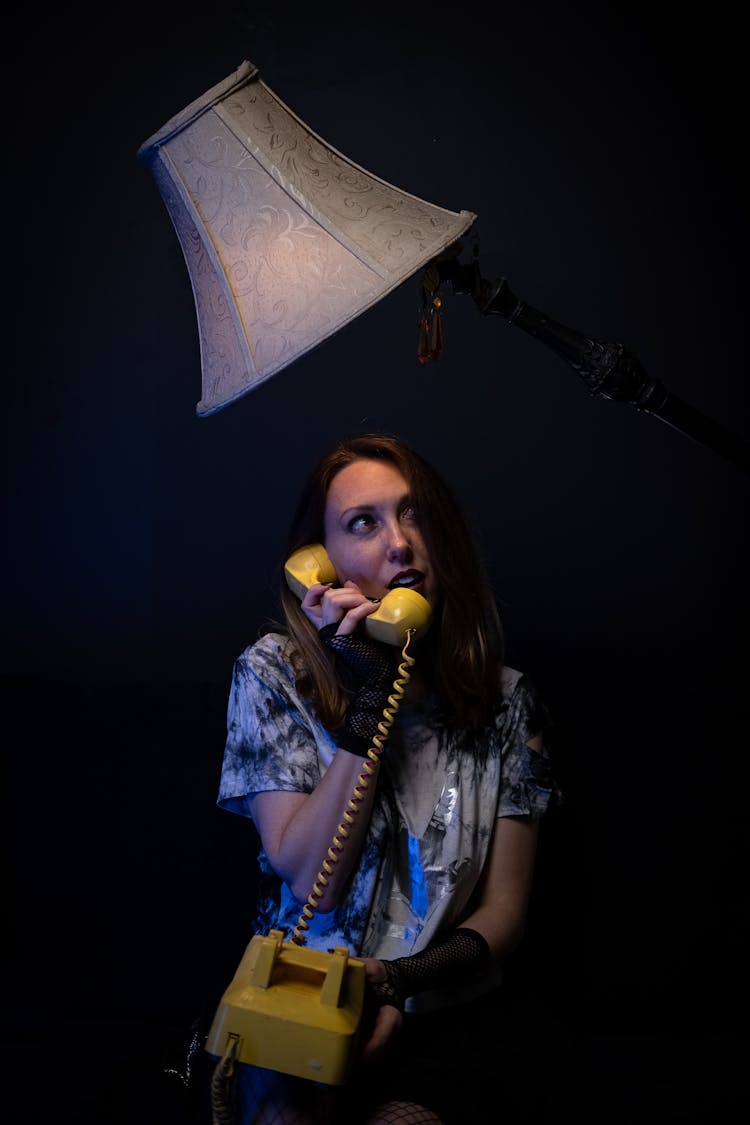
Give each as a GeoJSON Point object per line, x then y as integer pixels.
{"type": "Point", "coordinates": [431, 885]}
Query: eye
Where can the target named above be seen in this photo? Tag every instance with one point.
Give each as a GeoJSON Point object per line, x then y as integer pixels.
{"type": "Point", "coordinates": [360, 523]}
{"type": "Point", "coordinates": [409, 513]}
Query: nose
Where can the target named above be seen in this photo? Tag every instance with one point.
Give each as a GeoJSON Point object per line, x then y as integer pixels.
{"type": "Point", "coordinates": [398, 546]}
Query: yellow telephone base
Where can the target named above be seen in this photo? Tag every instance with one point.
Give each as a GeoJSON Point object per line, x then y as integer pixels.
{"type": "Point", "coordinates": [292, 1009]}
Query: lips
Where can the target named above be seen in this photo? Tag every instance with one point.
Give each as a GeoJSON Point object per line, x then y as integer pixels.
{"type": "Point", "coordinates": [406, 579]}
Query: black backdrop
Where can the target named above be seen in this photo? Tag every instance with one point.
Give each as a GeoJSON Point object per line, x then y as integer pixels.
{"type": "Point", "coordinates": [604, 158]}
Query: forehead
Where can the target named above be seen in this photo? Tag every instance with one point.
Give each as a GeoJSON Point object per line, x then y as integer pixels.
{"type": "Point", "coordinates": [365, 482]}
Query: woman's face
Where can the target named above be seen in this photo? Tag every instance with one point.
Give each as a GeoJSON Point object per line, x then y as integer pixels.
{"type": "Point", "coordinates": [372, 534]}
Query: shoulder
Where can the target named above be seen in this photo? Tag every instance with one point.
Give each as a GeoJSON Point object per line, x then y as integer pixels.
{"type": "Point", "coordinates": [510, 680]}
{"type": "Point", "coordinates": [269, 648]}
{"type": "Point", "coordinates": [522, 703]}
{"type": "Point", "coordinates": [516, 684]}
{"type": "Point", "coordinates": [269, 660]}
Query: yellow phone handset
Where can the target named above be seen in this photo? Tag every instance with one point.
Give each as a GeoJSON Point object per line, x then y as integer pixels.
{"type": "Point", "coordinates": [399, 611]}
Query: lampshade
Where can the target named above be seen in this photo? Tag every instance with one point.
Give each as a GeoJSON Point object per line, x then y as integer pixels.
{"type": "Point", "coordinates": [285, 240]}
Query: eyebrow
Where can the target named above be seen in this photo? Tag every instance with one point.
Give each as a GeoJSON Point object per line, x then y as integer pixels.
{"type": "Point", "coordinates": [402, 501]}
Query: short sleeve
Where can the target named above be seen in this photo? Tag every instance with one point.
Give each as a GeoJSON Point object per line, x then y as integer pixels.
{"type": "Point", "coordinates": [527, 786]}
{"type": "Point", "coordinates": [272, 741]}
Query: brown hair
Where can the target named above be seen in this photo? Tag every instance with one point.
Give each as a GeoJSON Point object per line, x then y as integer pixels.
{"type": "Point", "coordinates": [461, 653]}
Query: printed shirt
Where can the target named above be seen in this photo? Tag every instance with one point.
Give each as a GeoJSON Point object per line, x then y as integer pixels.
{"type": "Point", "coordinates": [435, 807]}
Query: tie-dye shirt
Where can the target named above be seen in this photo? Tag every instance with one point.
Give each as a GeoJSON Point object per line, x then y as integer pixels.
{"type": "Point", "coordinates": [435, 807]}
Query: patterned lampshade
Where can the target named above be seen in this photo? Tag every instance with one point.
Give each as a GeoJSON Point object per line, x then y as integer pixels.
{"type": "Point", "coordinates": [285, 240]}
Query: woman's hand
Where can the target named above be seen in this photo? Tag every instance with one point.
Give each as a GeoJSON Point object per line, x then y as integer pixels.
{"type": "Point", "coordinates": [345, 606]}
{"type": "Point", "coordinates": [388, 1019]}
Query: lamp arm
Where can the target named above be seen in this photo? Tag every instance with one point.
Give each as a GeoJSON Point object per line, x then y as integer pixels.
{"type": "Point", "coordinates": [607, 368]}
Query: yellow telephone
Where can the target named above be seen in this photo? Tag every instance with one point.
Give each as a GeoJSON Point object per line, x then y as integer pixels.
{"type": "Point", "coordinates": [289, 1008]}
{"type": "Point", "coordinates": [400, 610]}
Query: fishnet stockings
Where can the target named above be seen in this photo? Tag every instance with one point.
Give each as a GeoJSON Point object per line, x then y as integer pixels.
{"type": "Point", "coordinates": [405, 1112]}
{"type": "Point", "coordinates": [295, 1102]}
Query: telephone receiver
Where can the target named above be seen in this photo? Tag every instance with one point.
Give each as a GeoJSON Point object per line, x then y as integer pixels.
{"type": "Point", "coordinates": [399, 611]}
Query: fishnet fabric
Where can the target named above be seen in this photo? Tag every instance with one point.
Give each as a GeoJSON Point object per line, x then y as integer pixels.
{"type": "Point", "coordinates": [405, 1112]}
{"type": "Point", "coordinates": [296, 1102]}
{"type": "Point", "coordinates": [461, 955]}
{"type": "Point", "coordinates": [369, 672]}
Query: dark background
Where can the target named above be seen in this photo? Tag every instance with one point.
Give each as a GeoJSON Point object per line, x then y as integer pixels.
{"type": "Point", "coordinates": [604, 156]}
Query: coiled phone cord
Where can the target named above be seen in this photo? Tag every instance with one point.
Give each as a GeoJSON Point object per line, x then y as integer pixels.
{"type": "Point", "coordinates": [223, 1074]}
{"type": "Point", "coordinates": [222, 1078]}
{"type": "Point", "coordinates": [370, 764]}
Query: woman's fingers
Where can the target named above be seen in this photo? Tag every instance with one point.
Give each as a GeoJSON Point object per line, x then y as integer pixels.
{"type": "Point", "coordinates": [387, 1025]}
{"type": "Point", "coordinates": [344, 606]}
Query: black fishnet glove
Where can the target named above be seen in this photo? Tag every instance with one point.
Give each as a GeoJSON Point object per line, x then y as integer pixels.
{"type": "Point", "coordinates": [369, 671]}
{"type": "Point", "coordinates": [461, 955]}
